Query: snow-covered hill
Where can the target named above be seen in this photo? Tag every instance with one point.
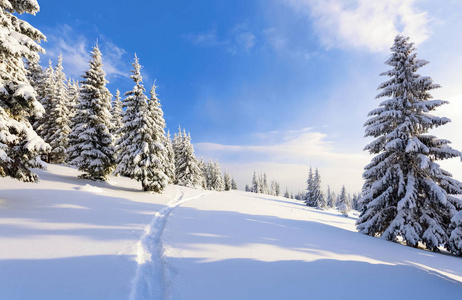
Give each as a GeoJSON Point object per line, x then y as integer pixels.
{"type": "Point", "coordinates": [68, 238]}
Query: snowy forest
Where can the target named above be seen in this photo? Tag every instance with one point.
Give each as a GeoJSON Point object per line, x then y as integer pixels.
{"type": "Point", "coordinates": [47, 117]}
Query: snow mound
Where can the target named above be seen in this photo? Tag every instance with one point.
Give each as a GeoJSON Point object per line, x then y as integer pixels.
{"type": "Point", "coordinates": [90, 188]}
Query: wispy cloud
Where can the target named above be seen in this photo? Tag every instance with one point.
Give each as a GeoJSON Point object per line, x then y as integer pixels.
{"type": "Point", "coordinates": [238, 39]}
{"type": "Point", "coordinates": [281, 44]}
{"type": "Point", "coordinates": [76, 48]}
{"type": "Point", "coordinates": [364, 24]}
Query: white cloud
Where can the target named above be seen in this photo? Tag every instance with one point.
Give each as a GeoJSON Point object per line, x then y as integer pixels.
{"type": "Point", "coordinates": [364, 24]}
{"type": "Point", "coordinates": [75, 49]}
{"type": "Point", "coordinates": [286, 156]}
{"type": "Point", "coordinates": [239, 38]}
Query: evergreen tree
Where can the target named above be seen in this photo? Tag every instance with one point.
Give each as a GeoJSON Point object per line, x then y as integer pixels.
{"type": "Point", "coordinates": [43, 124]}
{"type": "Point", "coordinates": [116, 115]}
{"type": "Point", "coordinates": [310, 193]}
{"type": "Point", "coordinates": [141, 148]}
{"type": "Point", "coordinates": [36, 77]}
{"type": "Point", "coordinates": [247, 188]}
{"type": "Point", "coordinates": [407, 195]}
{"type": "Point", "coordinates": [20, 146]}
{"type": "Point", "coordinates": [343, 203]}
{"type": "Point", "coordinates": [170, 159]}
{"type": "Point", "coordinates": [92, 143]}
{"type": "Point", "coordinates": [286, 194]}
{"type": "Point", "coordinates": [227, 181]}
{"type": "Point", "coordinates": [187, 171]}
{"type": "Point", "coordinates": [254, 188]}
{"type": "Point", "coordinates": [58, 136]}
{"type": "Point", "coordinates": [233, 184]}
{"type": "Point", "coordinates": [330, 198]}
{"type": "Point", "coordinates": [73, 91]}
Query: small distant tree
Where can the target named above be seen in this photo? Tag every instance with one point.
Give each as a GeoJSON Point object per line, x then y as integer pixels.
{"type": "Point", "coordinates": [187, 168]}
{"type": "Point", "coordinates": [233, 184]}
{"type": "Point", "coordinates": [227, 181]}
{"type": "Point", "coordinates": [343, 203]}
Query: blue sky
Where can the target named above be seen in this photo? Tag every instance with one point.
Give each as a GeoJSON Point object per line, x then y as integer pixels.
{"type": "Point", "coordinates": [266, 85]}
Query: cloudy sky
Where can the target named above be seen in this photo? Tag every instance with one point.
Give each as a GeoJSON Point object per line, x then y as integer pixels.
{"type": "Point", "coordinates": [268, 85]}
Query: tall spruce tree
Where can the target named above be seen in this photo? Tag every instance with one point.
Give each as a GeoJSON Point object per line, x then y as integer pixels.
{"type": "Point", "coordinates": [310, 195]}
{"type": "Point", "coordinates": [20, 146]}
{"type": "Point", "coordinates": [58, 136]}
{"type": "Point", "coordinates": [407, 195]}
{"type": "Point", "coordinates": [141, 148]}
{"type": "Point", "coordinates": [170, 156]}
{"type": "Point", "coordinates": [43, 124]}
{"type": "Point", "coordinates": [92, 143]}
{"type": "Point", "coordinates": [116, 115]}
{"type": "Point", "coordinates": [227, 185]}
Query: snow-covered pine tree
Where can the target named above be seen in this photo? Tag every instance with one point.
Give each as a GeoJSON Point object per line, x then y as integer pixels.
{"type": "Point", "coordinates": [36, 76]}
{"type": "Point", "coordinates": [155, 109]}
{"type": "Point", "coordinates": [227, 181]}
{"type": "Point", "coordinates": [407, 195]}
{"type": "Point", "coordinates": [58, 137]}
{"type": "Point", "coordinates": [20, 146]}
{"type": "Point", "coordinates": [116, 115]}
{"type": "Point", "coordinates": [140, 145]}
{"type": "Point", "coordinates": [254, 188]}
{"type": "Point", "coordinates": [286, 194]}
{"type": "Point", "coordinates": [330, 198]}
{"type": "Point", "coordinates": [343, 203]}
{"type": "Point", "coordinates": [187, 171]}
{"type": "Point", "coordinates": [318, 196]}
{"type": "Point", "coordinates": [170, 156]}
{"type": "Point", "coordinates": [247, 188]}
{"type": "Point", "coordinates": [73, 92]}
{"type": "Point", "coordinates": [93, 146]}
{"type": "Point", "coordinates": [309, 196]}
{"type": "Point", "coordinates": [43, 124]}
{"type": "Point", "coordinates": [233, 184]}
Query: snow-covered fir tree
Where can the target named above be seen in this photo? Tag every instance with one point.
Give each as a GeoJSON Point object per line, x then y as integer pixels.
{"type": "Point", "coordinates": [408, 196]}
{"type": "Point", "coordinates": [20, 146]}
{"type": "Point", "coordinates": [58, 137]}
{"type": "Point", "coordinates": [227, 181]}
{"type": "Point", "coordinates": [155, 109]}
{"type": "Point", "coordinates": [116, 115]}
{"type": "Point", "coordinates": [330, 198]}
{"type": "Point", "coordinates": [170, 155]}
{"type": "Point", "coordinates": [344, 205]}
{"type": "Point", "coordinates": [36, 76]}
{"type": "Point", "coordinates": [247, 188]}
{"type": "Point", "coordinates": [73, 93]}
{"type": "Point", "coordinates": [140, 144]}
{"type": "Point", "coordinates": [187, 171]}
{"type": "Point", "coordinates": [43, 124]}
{"type": "Point", "coordinates": [233, 184]}
{"type": "Point", "coordinates": [314, 196]}
{"type": "Point", "coordinates": [286, 194]}
{"type": "Point", "coordinates": [254, 187]}
{"type": "Point", "coordinates": [309, 196]}
{"type": "Point", "coordinates": [92, 143]}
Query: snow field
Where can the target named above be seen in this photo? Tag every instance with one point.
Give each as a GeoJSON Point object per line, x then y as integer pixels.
{"type": "Point", "coordinates": [69, 238]}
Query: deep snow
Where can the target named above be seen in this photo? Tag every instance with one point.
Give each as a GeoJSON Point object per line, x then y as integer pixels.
{"type": "Point", "coordinates": [69, 238]}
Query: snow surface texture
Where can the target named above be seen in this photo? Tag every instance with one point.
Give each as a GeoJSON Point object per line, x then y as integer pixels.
{"type": "Point", "coordinates": [69, 238]}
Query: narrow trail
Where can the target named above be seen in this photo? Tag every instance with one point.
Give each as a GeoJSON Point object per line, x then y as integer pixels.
{"type": "Point", "coordinates": [150, 279]}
